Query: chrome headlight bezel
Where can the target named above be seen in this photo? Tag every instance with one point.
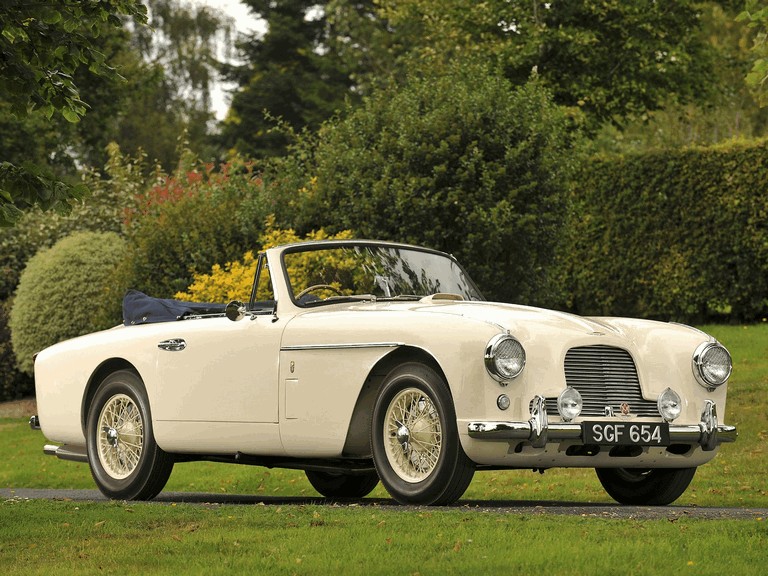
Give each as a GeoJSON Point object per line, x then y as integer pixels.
{"type": "Point", "coordinates": [497, 365]}
{"type": "Point", "coordinates": [712, 365]}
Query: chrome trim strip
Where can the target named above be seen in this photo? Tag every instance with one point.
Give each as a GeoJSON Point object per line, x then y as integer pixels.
{"type": "Point", "coordinates": [342, 346]}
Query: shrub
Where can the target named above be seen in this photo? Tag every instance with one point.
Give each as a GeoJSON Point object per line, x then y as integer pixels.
{"type": "Point", "coordinates": [61, 293]}
{"type": "Point", "coordinates": [234, 280]}
{"type": "Point", "coordinates": [459, 160]}
{"type": "Point", "coordinates": [13, 384]}
{"type": "Point", "coordinates": [190, 221]}
{"type": "Point", "coordinates": [113, 192]}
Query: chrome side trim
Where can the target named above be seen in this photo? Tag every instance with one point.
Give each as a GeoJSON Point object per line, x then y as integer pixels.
{"type": "Point", "coordinates": [66, 453]}
{"type": "Point", "coordinates": [708, 433]}
{"type": "Point", "coordinates": [342, 346]}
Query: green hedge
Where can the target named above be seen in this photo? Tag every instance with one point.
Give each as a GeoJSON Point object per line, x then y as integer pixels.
{"type": "Point", "coordinates": [61, 293]}
{"type": "Point", "coordinates": [673, 234]}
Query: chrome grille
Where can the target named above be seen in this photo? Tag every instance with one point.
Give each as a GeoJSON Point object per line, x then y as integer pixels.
{"type": "Point", "coordinates": [604, 376]}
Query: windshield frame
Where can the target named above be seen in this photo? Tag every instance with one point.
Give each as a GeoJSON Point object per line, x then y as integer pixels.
{"type": "Point", "coordinates": [316, 246]}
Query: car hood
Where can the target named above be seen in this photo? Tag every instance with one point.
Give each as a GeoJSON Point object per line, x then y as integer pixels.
{"type": "Point", "coordinates": [538, 323]}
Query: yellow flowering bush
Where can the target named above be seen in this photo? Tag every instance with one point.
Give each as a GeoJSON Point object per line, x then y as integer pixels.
{"type": "Point", "coordinates": [234, 280]}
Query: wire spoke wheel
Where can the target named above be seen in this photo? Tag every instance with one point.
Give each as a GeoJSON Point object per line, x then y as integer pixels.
{"type": "Point", "coordinates": [126, 462]}
{"type": "Point", "coordinates": [121, 436]}
{"type": "Point", "coordinates": [414, 435]}
{"type": "Point", "coordinates": [414, 438]}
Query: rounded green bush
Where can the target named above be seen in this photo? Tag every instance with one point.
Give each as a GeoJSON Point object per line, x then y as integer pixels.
{"type": "Point", "coordinates": [61, 293]}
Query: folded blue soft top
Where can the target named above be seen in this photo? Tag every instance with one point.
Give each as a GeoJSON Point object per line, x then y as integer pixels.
{"type": "Point", "coordinates": [138, 308]}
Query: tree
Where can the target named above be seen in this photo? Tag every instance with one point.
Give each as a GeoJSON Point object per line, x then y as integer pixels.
{"type": "Point", "coordinates": [756, 17]}
{"type": "Point", "coordinates": [290, 73]}
{"type": "Point", "coordinates": [731, 110]}
{"type": "Point", "coordinates": [609, 58]}
{"type": "Point", "coordinates": [43, 45]}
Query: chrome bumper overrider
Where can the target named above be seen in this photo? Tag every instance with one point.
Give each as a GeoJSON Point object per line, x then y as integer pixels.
{"type": "Point", "coordinates": [538, 431]}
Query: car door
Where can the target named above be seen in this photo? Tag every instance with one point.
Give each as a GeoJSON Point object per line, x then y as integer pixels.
{"type": "Point", "coordinates": [216, 370]}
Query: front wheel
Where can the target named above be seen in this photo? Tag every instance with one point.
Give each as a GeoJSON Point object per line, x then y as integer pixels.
{"type": "Point", "coordinates": [645, 487]}
{"type": "Point", "coordinates": [342, 485]}
{"type": "Point", "coordinates": [125, 461]}
{"type": "Point", "coordinates": [414, 439]}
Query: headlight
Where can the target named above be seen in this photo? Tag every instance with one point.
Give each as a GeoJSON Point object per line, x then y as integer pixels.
{"type": "Point", "coordinates": [669, 405]}
{"type": "Point", "coordinates": [712, 365]}
{"type": "Point", "coordinates": [504, 358]}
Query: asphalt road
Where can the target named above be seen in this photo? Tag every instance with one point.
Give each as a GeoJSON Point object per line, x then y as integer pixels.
{"type": "Point", "coordinates": [517, 507]}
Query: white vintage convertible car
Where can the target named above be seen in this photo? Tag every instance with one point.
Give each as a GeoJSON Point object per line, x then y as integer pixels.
{"type": "Point", "coordinates": [363, 361]}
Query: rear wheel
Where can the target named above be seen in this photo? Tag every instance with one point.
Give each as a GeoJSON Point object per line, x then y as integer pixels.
{"type": "Point", "coordinates": [125, 461]}
{"type": "Point", "coordinates": [645, 487]}
{"type": "Point", "coordinates": [342, 485]}
{"type": "Point", "coordinates": [414, 439]}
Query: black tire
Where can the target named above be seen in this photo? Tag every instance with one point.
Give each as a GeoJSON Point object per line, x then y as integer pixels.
{"type": "Point", "coordinates": [342, 485]}
{"type": "Point", "coordinates": [125, 461]}
{"type": "Point", "coordinates": [645, 487]}
{"type": "Point", "coordinates": [414, 439]}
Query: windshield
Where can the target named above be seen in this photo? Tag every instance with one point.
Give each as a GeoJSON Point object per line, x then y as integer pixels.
{"type": "Point", "coordinates": [365, 271]}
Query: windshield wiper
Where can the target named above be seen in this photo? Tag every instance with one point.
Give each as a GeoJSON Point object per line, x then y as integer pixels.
{"type": "Point", "coordinates": [347, 298]}
{"type": "Point", "coordinates": [405, 297]}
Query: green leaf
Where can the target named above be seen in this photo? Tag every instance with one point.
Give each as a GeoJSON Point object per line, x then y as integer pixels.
{"type": "Point", "coordinates": [51, 16]}
{"type": "Point", "coordinates": [71, 115]}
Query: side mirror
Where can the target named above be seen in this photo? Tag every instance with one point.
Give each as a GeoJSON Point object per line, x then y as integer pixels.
{"type": "Point", "coordinates": [235, 310]}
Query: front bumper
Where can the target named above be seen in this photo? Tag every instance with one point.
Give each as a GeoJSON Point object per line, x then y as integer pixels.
{"type": "Point", "coordinates": [538, 431]}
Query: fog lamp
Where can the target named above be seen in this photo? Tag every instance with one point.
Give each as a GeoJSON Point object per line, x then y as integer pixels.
{"type": "Point", "coordinates": [569, 404]}
{"type": "Point", "coordinates": [669, 404]}
{"type": "Point", "coordinates": [503, 402]}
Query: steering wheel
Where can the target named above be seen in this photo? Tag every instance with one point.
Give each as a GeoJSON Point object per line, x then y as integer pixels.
{"type": "Point", "coordinates": [319, 287]}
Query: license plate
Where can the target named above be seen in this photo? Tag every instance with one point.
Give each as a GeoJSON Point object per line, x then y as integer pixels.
{"type": "Point", "coordinates": [626, 433]}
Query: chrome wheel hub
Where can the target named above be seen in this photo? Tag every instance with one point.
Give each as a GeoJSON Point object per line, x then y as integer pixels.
{"type": "Point", "coordinates": [111, 436]}
{"type": "Point", "coordinates": [403, 436]}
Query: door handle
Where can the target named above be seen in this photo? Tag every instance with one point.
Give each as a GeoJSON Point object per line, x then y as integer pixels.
{"type": "Point", "coordinates": [173, 345]}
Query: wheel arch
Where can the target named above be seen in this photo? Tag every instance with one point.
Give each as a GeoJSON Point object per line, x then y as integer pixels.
{"type": "Point", "coordinates": [357, 442]}
{"type": "Point", "coordinates": [102, 371]}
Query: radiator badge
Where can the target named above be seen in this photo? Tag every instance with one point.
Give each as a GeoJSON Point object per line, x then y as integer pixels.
{"type": "Point", "coordinates": [625, 409]}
